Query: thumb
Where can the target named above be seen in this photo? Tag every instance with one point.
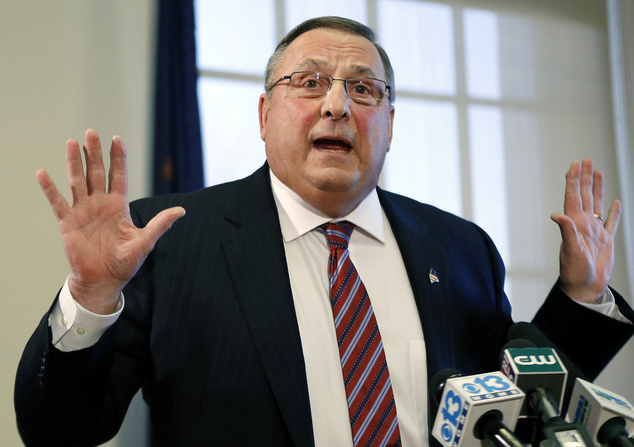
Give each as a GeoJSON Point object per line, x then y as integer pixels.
{"type": "Point", "coordinates": [160, 223]}
{"type": "Point", "coordinates": [567, 227]}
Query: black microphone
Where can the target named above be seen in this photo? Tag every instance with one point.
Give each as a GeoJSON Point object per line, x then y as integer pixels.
{"type": "Point", "coordinates": [614, 434]}
{"type": "Point", "coordinates": [540, 374]}
{"type": "Point", "coordinates": [476, 408]}
{"type": "Point", "coordinates": [530, 332]}
{"type": "Point", "coordinates": [437, 383]}
{"type": "Point", "coordinates": [607, 416]}
{"type": "Point", "coordinates": [530, 368]}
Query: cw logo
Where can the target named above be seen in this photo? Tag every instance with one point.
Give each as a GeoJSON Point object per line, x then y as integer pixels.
{"type": "Point", "coordinates": [535, 360]}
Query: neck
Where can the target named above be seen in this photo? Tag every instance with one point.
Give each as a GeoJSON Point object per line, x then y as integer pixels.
{"type": "Point", "coordinates": [332, 204]}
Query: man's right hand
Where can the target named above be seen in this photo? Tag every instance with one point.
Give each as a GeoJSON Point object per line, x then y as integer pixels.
{"type": "Point", "coordinates": [103, 246]}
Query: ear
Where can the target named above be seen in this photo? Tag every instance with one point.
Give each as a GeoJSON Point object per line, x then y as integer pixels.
{"type": "Point", "coordinates": [390, 127]}
{"type": "Point", "coordinates": [263, 112]}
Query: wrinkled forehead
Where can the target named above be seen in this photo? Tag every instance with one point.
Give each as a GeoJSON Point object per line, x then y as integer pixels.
{"type": "Point", "coordinates": [334, 52]}
{"type": "Point", "coordinates": [326, 66]}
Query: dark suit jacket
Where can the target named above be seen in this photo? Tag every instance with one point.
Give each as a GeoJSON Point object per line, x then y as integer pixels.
{"type": "Point", "coordinates": [209, 328]}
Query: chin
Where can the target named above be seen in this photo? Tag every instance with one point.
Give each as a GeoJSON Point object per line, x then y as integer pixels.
{"type": "Point", "coordinates": [335, 180]}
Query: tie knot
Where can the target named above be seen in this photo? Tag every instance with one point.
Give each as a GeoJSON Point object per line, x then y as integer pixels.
{"type": "Point", "coordinates": [338, 233]}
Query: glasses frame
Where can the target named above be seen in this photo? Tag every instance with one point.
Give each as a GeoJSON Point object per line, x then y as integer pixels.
{"type": "Point", "coordinates": [387, 91]}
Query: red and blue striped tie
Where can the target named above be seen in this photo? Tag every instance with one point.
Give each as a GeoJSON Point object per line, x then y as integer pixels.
{"type": "Point", "coordinates": [365, 373]}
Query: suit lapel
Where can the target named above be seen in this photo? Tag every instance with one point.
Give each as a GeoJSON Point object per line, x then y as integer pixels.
{"type": "Point", "coordinates": [255, 256]}
{"type": "Point", "coordinates": [424, 261]}
{"type": "Point", "coordinates": [427, 269]}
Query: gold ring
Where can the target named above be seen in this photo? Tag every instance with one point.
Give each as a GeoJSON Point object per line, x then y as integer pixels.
{"type": "Point", "coordinates": [598, 216]}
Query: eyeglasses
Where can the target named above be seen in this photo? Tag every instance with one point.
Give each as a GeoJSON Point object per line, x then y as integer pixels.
{"type": "Point", "coordinates": [310, 85]}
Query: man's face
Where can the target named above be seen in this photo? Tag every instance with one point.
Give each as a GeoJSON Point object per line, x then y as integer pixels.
{"type": "Point", "coordinates": [329, 150]}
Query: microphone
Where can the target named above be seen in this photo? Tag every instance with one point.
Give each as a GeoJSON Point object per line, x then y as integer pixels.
{"type": "Point", "coordinates": [476, 408]}
{"type": "Point", "coordinates": [607, 416]}
{"type": "Point", "coordinates": [528, 331]}
{"type": "Point", "coordinates": [530, 368]}
{"type": "Point", "coordinates": [540, 374]}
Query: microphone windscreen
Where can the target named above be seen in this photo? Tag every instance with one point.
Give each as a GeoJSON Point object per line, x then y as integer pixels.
{"type": "Point", "coordinates": [437, 383]}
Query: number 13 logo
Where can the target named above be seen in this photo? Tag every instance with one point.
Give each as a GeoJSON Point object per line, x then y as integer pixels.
{"type": "Point", "coordinates": [452, 408]}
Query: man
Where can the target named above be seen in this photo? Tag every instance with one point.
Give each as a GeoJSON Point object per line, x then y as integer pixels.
{"type": "Point", "coordinates": [227, 322]}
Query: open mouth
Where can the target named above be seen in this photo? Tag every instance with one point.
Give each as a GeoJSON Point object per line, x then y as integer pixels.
{"type": "Point", "coordinates": [327, 144]}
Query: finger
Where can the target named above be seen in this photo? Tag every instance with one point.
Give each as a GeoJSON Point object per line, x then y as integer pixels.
{"type": "Point", "coordinates": [567, 228]}
{"type": "Point", "coordinates": [614, 216]}
{"type": "Point", "coordinates": [95, 171]}
{"type": "Point", "coordinates": [55, 198]}
{"type": "Point", "coordinates": [585, 187]}
{"type": "Point", "coordinates": [75, 168]}
{"type": "Point", "coordinates": [118, 173]}
{"type": "Point", "coordinates": [597, 192]}
{"type": "Point", "coordinates": [572, 200]}
{"type": "Point", "coordinates": [162, 222]}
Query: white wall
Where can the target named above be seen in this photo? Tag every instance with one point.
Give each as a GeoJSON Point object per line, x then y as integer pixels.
{"type": "Point", "coordinates": [65, 66]}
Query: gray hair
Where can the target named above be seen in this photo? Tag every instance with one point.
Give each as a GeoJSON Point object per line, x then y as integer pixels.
{"type": "Point", "coordinates": [337, 23]}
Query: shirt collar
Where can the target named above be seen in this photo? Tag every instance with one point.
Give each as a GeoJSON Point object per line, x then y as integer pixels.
{"type": "Point", "coordinates": [298, 217]}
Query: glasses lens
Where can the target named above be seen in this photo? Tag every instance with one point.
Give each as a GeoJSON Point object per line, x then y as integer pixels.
{"type": "Point", "coordinates": [309, 84]}
{"type": "Point", "coordinates": [365, 90]}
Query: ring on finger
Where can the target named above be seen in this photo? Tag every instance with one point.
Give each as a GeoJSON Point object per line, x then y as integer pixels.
{"type": "Point", "coordinates": [599, 216]}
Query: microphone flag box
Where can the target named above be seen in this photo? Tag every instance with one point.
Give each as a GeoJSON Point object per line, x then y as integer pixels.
{"type": "Point", "coordinates": [592, 405]}
{"type": "Point", "coordinates": [530, 368]}
{"type": "Point", "coordinates": [465, 399]}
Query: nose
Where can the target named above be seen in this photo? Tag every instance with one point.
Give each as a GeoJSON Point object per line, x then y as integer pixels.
{"type": "Point", "coordinates": [336, 103]}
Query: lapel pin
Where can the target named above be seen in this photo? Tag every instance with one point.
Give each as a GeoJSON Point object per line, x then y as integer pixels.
{"type": "Point", "coordinates": [433, 277]}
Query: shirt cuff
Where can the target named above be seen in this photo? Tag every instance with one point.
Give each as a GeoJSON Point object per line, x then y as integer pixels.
{"type": "Point", "coordinates": [607, 306]}
{"type": "Point", "coordinates": [73, 327]}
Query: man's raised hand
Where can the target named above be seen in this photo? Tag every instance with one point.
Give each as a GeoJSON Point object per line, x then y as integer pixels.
{"type": "Point", "coordinates": [103, 246]}
{"type": "Point", "coordinates": [587, 251]}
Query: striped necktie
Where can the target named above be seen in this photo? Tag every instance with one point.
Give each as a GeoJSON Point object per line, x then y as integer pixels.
{"type": "Point", "coordinates": [365, 373]}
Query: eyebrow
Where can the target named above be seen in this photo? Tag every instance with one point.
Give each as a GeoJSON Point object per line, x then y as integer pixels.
{"type": "Point", "coordinates": [324, 67]}
{"type": "Point", "coordinates": [362, 70]}
{"type": "Point", "coordinates": [312, 64]}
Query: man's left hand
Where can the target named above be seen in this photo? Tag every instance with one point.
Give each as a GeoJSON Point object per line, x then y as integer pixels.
{"type": "Point", "coordinates": [586, 258]}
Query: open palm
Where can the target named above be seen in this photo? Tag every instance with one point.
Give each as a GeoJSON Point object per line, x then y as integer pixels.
{"type": "Point", "coordinates": [587, 249]}
{"type": "Point", "coordinates": [102, 244]}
